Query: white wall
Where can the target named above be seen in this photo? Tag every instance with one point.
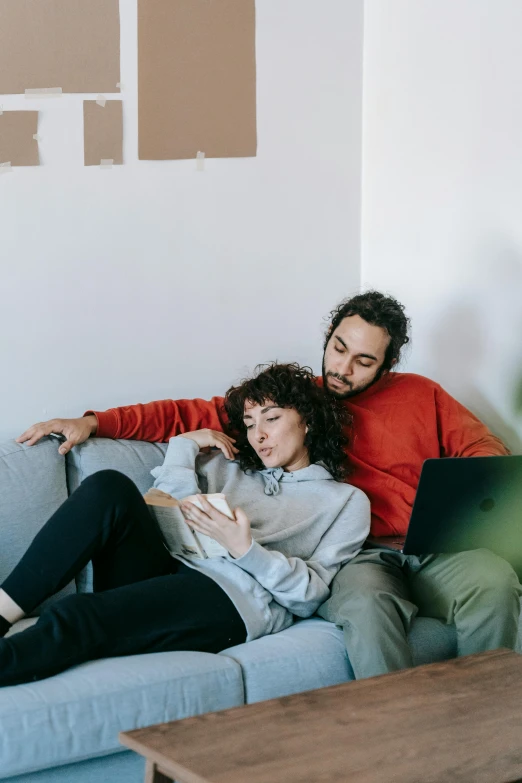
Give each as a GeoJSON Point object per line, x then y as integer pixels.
{"type": "Point", "coordinates": [153, 280]}
{"type": "Point", "coordinates": [442, 190]}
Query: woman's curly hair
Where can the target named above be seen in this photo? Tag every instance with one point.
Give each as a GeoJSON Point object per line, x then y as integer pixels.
{"type": "Point", "coordinates": [292, 386]}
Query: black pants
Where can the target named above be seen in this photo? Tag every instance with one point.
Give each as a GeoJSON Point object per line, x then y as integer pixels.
{"type": "Point", "coordinates": [143, 601]}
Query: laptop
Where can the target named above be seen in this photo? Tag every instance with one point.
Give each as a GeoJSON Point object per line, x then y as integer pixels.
{"type": "Point", "coordinates": [467, 503]}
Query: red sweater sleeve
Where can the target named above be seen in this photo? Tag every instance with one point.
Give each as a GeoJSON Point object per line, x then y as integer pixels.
{"type": "Point", "coordinates": [461, 434]}
{"type": "Point", "coordinates": [158, 421]}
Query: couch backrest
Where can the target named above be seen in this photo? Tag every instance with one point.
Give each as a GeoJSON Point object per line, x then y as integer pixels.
{"type": "Point", "coordinates": [32, 486]}
{"type": "Point", "coordinates": [132, 457]}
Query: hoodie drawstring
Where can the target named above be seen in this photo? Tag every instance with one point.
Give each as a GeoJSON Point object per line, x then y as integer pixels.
{"type": "Point", "coordinates": [272, 477]}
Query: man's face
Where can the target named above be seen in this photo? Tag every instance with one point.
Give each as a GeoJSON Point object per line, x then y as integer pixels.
{"type": "Point", "coordinates": [354, 357]}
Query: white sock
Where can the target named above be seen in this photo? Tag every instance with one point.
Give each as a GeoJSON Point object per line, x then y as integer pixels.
{"type": "Point", "coordinates": [8, 609]}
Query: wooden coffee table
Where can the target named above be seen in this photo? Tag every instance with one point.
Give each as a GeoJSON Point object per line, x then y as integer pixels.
{"type": "Point", "coordinates": [454, 721]}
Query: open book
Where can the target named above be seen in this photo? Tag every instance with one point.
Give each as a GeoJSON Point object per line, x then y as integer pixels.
{"type": "Point", "coordinates": [181, 539]}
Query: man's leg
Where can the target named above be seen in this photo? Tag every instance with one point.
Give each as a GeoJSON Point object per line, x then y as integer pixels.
{"type": "Point", "coordinates": [476, 590]}
{"type": "Point", "coordinates": [371, 602]}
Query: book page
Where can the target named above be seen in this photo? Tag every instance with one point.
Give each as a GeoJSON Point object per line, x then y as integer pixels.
{"type": "Point", "coordinates": [179, 537]}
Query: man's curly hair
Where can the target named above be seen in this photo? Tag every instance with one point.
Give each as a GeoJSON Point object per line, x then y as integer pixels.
{"type": "Point", "coordinates": [292, 386]}
{"type": "Point", "coordinates": [379, 310]}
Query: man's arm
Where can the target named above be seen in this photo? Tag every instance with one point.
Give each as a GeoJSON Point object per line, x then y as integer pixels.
{"type": "Point", "coordinates": [461, 434]}
{"type": "Point", "coordinates": [155, 422]}
{"type": "Point", "coordinates": [160, 421]}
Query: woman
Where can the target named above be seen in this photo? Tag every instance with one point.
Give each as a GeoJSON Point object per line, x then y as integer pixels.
{"type": "Point", "coordinates": [295, 528]}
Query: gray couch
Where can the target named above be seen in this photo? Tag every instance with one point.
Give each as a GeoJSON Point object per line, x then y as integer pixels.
{"type": "Point", "coordinates": [65, 729]}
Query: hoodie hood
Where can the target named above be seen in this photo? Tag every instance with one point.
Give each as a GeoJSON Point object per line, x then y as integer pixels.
{"type": "Point", "coordinates": [273, 477]}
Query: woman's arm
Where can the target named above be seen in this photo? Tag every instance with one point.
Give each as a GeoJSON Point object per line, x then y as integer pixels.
{"type": "Point", "coordinates": [177, 476]}
{"type": "Point", "coordinates": [301, 586]}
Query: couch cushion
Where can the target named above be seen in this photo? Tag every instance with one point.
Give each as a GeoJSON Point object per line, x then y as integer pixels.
{"type": "Point", "coordinates": [432, 640]}
{"type": "Point", "coordinates": [32, 487]}
{"type": "Point", "coordinates": [119, 767]}
{"type": "Point", "coordinates": [308, 655]}
{"type": "Point", "coordinates": [311, 654]}
{"type": "Point", "coordinates": [78, 714]}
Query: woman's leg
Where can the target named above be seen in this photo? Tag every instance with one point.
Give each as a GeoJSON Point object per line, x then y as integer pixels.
{"type": "Point", "coordinates": [105, 520]}
{"type": "Point", "coordinates": [182, 611]}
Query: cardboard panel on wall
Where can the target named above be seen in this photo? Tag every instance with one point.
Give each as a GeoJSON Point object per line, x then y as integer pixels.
{"type": "Point", "coordinates": [17, 144]}
{"type": "Point", "coordinates": [72, 44]}
{"type": "Point", "coordinates": [196, 79]}
{"type": "Point", "coordinates": [103, 132]}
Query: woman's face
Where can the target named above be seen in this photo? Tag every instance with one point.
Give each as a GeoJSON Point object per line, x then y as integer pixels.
{"type": "Point", "coordinates": [277, 435]}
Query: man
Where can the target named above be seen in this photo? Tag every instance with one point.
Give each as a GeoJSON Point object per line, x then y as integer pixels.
{"type": "Point", "coordinates": [399, 420]}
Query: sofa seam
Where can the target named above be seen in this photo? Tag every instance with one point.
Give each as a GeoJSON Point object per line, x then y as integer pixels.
{"type": "Point", "coordinates": [18, 451]}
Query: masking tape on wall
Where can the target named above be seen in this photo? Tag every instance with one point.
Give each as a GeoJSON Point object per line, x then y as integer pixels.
{"type": "Point", "coordinates": [106, 163]}
{"type": "Point", "coordinates": [101, 100]}
{"type": "Point", "coordinates": [5, 168]}
{"type": "Point", "coordinates": [44, 92]}
{"type": "Point", "coordinates": [200, 161]}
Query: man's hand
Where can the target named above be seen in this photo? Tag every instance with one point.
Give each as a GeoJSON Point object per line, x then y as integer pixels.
{"type": "Point", "coordinates": [211, 438]}
{"type": "Point", "coordinates": [233, 534]}
{"type": "Point", "coordinates": [75, 431]}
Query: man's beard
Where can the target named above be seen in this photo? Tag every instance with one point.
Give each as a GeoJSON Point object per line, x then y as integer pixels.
{"type": "Point", "coordinates": [351, 391]}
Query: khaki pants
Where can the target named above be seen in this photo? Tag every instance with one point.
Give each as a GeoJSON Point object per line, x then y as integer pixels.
{"type": "Point", "coordinates": [377, 594]}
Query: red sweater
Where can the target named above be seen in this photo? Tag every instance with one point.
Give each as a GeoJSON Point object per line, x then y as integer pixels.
{"type": "Point", "coordinates": [399, 422]}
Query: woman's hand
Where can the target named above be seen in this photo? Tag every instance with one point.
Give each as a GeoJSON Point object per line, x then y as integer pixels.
{"type": "Point", "coordinates": [233, 534]}
{"type": "Point", "coordinates": [211, 438]}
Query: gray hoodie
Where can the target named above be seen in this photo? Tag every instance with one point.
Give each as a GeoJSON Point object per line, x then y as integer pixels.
{"type": "Point", "coordinates": [305, 526]}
